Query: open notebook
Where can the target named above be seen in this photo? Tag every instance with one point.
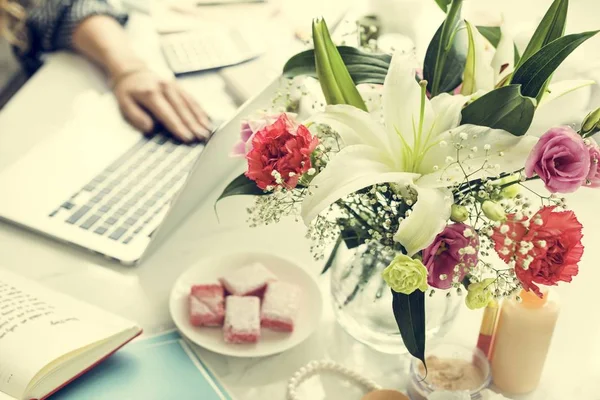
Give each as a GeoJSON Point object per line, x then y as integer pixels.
{"type": "Point", "coordinates": [48, 339]}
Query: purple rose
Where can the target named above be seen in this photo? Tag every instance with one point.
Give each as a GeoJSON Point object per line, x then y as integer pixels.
{"type": "Point", "coordinates": [560, 158]}
{"type": "Point", "coordinates": [456, 246]}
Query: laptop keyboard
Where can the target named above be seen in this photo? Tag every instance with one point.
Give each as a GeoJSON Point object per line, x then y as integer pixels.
{"type": "Point", "coordinates": [127, 195]}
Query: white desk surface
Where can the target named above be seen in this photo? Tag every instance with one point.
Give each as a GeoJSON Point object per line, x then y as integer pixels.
{"type": "Point", "coordinates": [141, 293]}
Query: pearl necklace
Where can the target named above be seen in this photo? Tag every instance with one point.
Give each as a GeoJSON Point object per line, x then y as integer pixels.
{"type": "Point", "coordinates": [315, 367]}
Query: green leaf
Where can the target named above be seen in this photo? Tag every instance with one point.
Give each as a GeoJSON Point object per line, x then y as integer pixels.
{"type": "Point", "coordinates": [493, 34]}
{"type": "Point", "coordinates": [363, 67]}
{"type": "Point", "coordinates": [533, 74]}
{"type": "Point", "coordinates": [551, 28]}
{"type": "Point", "coordinates": [409, 311]}
{"type": "Point", "coordinates": [503, 108]}
{"type": "Point", "coordinates": [242, 185]}
{"type": "Point", "coordinates": [335, 80]}
{"type": "Point", "coordinates": [333, 254]}
{"type": "Point", "coordinates": [446, 55]}
{"type": "Point", "coordinates": [443, 4]}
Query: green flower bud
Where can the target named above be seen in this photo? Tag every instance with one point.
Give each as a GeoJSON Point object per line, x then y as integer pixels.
{"type": "Point", "coordinates": [479, 294]}
{"type": "Point", "coordinates": [591, 123]}
{"type": "Point", "coordinates": [406, 274]}
{"type": "Point", "coordinates": [459, 213]}
{"type": "Point", "coordinates": [493, 211]}
{"type": "Point", "coordinates": [509, 192]}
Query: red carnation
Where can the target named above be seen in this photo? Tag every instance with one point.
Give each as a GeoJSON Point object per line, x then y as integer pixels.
{"type": "Point", "coordinates": [280, 154]}
{"type": "Point", "coordinates": [546, 249]}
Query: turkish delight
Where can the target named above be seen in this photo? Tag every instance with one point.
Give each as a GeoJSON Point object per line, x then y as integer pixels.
{"type": "Point", "coordinates": [250, 280]}
{"type": "Point", "coordinates": [242, 319]}
{"type": "Point", "coordinates": [280, 306]}
{"type": "Point", "coordinates": [207, 305]}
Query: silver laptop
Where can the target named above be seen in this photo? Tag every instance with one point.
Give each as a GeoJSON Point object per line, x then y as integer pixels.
{"type": "Point", "coordinates": [103, 186]}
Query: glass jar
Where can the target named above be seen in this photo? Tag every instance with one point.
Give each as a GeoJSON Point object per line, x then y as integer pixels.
{"type": "Point", "coordinates": [362, 301]}
{"type": "Point", "coordinates": [420, 387]}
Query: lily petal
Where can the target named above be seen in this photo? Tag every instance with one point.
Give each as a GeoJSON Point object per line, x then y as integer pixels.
{"type": "Point", "coordinates": [447, 110]}
{"type": "Point", "coordinates": [402, 101]}
{"type": "Point", "coordinates": [353, 168]}
{"type": "Point", "coordinates": [504, 58]}
{"type": "Point", "coordinates": [558, 89]}
{"type": "Point", "coordinates": [428, 218]}
{"type": "Point", "coordinates": [507, 154]}
{"type": "Point", "coordinates": [355, 126]}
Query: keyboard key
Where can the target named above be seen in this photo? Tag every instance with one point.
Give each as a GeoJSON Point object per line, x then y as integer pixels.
{"type": "Point", "coordinates": [76, 216]}
{"type": "Point", "coordinates": [113, 200]}
{"type": "Point", "coordinates": [121, 211]}
{"type": "Point", "coordinates": [90, 221]}
{"type": "Point", "coordinates": [130, 221]}
{"type": "Point", "coordinates": [101, 230]}
{"type": "Point", "coordinates": [97, 198]}
{"type": "Point", "coordinates": [128, 239]}
{"type": "Point", "coordinates": [89, 187]}
{"type": "Point", "coordinates": [139, 212]}
{"type": "Point", "coordinates": [111, 220]}
{"type": "Point", "coordinates": [105, 208]}
{"type": "Point", "coordinates": [120, 231]}
{"type": "Point", "coordinates": [138, 229]}
{"type": "Point", "coordinates": [68, 205]}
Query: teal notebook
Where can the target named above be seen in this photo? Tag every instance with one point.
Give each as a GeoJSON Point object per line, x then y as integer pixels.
{"type": "Point", "coordinates": [158, 368]}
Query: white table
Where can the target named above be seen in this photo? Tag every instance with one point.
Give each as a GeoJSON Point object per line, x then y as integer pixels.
{"type": "Point", "coordinates": [141, 293]}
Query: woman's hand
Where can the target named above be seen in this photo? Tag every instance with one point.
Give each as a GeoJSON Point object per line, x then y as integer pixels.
{"type": "Point", "coordinates": [145, 98]}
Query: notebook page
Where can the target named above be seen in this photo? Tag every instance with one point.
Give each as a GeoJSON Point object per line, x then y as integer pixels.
{"type": "Point", "coordinates": [38, 326]}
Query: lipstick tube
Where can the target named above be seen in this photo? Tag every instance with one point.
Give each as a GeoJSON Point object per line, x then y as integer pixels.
{"type": "Point", "coordinates": [488, 327]}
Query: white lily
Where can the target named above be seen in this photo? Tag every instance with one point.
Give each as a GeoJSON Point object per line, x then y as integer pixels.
{"type": "Point", "coordinates": [415, 148]}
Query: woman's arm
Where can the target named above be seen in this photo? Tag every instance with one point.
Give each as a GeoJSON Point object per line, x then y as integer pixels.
{"type": "Point", "coordinates": [140, 92]}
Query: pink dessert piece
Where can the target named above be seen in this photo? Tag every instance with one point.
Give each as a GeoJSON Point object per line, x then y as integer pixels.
{"type": "Point", "coordinates": [250, 280]}
{"type": "Point", "coordinates": [280, 306]}
{"type": "Point", "coordinates": [242, 319]}
{"type": "Point", "coordinates": [207, 305]}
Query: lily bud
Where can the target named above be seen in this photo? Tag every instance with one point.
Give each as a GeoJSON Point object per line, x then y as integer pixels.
{"type": "Point", "coordinates": [591, 123]}
{"type": "Point", "coordinates": [493, 211]}
{"type": "Point", "coordinates": [336, 82]}
{"type": "Point", "coordinates": [459, 213]}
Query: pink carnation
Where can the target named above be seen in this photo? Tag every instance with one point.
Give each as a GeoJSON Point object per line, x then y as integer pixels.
{"type": "Point", "coordinates": [280, 153]}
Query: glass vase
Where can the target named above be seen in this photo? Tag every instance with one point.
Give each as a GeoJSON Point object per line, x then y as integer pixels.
{"type": "Point", "coordinates": [362, 301]}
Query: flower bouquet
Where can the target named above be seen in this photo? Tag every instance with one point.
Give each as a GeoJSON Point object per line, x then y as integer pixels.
{"type": "Point", "coordinates": [436, 175]}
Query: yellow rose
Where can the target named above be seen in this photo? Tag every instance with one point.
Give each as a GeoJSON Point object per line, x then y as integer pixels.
{"type": "Point", "coordinates": [480, 294]}
{"type": "Point", "coordinates": [405, 275]}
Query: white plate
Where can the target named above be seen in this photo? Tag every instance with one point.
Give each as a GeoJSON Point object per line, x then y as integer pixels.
{"type": "Point", "coordinates": [210, 269]}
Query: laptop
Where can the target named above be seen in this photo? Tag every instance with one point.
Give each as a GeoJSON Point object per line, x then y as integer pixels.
{"type": "Point", "coordinates": [101, 185]}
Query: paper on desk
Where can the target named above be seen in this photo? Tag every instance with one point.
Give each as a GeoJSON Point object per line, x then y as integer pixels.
{"type": "Point", "coordinates": [181, 16]}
